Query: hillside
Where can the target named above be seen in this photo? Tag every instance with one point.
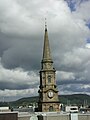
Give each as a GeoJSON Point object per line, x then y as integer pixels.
{"type": "Point", "coordinates": [79, 99]}
{"type": "Point", "coordinates": [75, 99]}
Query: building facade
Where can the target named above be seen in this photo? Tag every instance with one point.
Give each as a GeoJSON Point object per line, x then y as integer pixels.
{"type": "Point", "coordinates": [48, 93]}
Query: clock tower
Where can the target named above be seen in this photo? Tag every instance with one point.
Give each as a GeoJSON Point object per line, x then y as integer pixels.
{"type": "Point", "coordinates": [48, 93]}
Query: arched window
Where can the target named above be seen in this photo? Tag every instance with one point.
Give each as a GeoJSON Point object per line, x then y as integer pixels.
{"type": "Point", "coordinates": [51, 108]}
{"type": "Point", "coordinates": [49, 78]}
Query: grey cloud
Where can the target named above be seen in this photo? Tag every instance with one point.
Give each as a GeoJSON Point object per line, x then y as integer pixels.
{"type": "Point", "coordinates": [75, 81]}
{"type": "Point", "coordinates": [22, 54]}
{"type": "Point", "coordinates": [4, 43]}
{"type": "Point", "coordinates": [13, 86]}
{"type": "Point", "coordinates": [16, 86]}
{"type": "Point", "coordinates": [69, 89]}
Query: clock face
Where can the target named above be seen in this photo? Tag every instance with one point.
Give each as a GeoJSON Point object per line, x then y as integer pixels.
{"type": "Point", "coordinates": [50, 94]}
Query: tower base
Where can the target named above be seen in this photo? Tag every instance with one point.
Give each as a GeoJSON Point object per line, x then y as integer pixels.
{"type": "Point", "coordinates": [48, 106]}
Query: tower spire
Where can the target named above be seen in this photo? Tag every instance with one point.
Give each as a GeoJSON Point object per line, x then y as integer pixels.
{"type": "Point", "coordinates": [48, 93]}
{"type": "Point", "coordinates": [46, 49]}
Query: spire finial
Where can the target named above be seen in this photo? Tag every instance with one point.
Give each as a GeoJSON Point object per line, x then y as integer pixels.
{"type": "Point", "coordinates": [45, 23]}
{"type": "Point", "coordinates": [46, 49]}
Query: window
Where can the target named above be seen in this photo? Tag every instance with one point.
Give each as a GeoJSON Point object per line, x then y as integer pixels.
{"type": "Point", "coordinates": [49, 78]}
{"type": "Point", "coordinates": [51, 108]}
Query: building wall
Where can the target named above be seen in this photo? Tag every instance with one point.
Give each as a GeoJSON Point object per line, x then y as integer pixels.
{"type": "Point", "coordinates": [84, 116]}
{"type": "Point", "coordinates": [53, 116]}
{"type": "Point", "coordinates": [8, 116]}
{"type": "Point", "coordinates": [24, 118]}
{"type": "Point", "coordinates": [64, 117]}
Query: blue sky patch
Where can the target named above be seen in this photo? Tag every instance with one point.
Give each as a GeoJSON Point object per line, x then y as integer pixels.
{"type": "Point", "coordinates": [72, 4]}
{"type": "Point", "coordinates": [88, 40]}
{"type": "Point", "coordinates": [88, 25]}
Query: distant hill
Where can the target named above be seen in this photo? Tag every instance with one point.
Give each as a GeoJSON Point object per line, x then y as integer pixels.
{"type": "Point", "coordinates": [75, 99]}
{"type": "Point", "coordinates": [78, 99]}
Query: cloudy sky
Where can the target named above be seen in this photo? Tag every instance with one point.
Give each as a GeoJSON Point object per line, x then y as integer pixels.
{"type": "Point", "coordinates": [21, 45]}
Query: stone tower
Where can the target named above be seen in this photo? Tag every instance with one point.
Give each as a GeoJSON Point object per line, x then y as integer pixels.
{"type": "Point", "coordinates": [48, 93]}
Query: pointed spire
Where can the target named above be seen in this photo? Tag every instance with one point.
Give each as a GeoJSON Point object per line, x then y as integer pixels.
{"type": "Point", "coordinates": [46, 49]}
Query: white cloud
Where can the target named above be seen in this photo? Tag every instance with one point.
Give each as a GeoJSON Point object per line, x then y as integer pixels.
{"type": "Point", "coordinates": [82, 10]}
{"type": "Point", "coordinates": [9, 95]}
{"type": "Point", "coordinates": [88, 45]}
{"type": "Point", "coordinates": [19, 93]}
{"type": "Point", "coordinates": [14, 83]}
{"type": "Point", "coordinates": [17, 77]}
{"type": "Point", "coordinates": [65, 75]}
{"type": "Point", "coordinates": [15, 19]}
